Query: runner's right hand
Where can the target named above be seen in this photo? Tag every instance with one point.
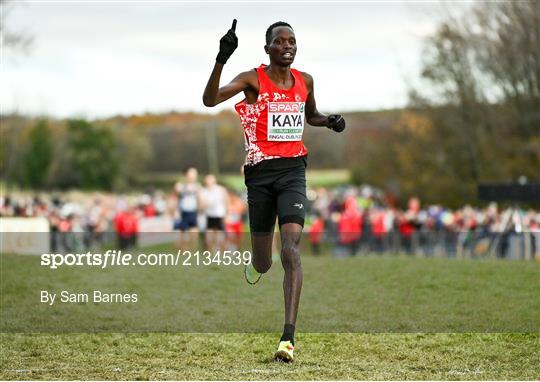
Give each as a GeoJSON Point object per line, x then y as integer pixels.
{"type": "Point", "coordinates": [227, 44]}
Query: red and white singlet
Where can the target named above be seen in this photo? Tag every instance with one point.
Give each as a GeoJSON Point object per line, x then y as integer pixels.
{"type": "Point", "coordinates": [274, 124]}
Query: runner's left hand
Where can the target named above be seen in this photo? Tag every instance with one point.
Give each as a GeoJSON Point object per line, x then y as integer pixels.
{"type": "Point", "coordinates": [336, 122]}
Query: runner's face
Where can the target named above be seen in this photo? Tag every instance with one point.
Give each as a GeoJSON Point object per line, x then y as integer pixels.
{"type": "Point", "coordinates": [282, 48]}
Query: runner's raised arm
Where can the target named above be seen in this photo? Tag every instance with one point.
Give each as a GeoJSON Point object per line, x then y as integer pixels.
{"type": "Point", "coordinates": [213, 94]}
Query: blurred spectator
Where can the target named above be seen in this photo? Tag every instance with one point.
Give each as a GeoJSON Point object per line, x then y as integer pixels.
{"type": "Point", "coordinates": [350, 226]}
{"type": "Point", "coordinates": [188, 200]}
{"type": "Point", "coordinates": [234, 221]}
{"type": "Point", "coordinates": [316, 234]}
{"type": "Point", "coordinates": [127, 227]}
{"type": "Point", "coordinates": [213, 198]}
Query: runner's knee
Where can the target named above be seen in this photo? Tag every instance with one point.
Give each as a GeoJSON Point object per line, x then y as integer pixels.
{"type": "Point", "coordinates": [290, 256]}
{"type": "Point", "coordinates": [262, 263]}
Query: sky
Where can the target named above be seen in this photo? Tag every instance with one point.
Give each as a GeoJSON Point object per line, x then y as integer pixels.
{"type": "Point", "coordinates": [97, 59]}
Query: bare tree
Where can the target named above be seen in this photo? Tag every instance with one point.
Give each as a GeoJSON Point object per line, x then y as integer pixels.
{"type": "Point", "coordinates": [481, 97]}
{"type": "Point", "coordinates": [9, 39]}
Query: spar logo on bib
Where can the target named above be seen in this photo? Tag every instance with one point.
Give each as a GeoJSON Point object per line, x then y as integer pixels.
{"type": "Point", "coordinates": [285, 121]}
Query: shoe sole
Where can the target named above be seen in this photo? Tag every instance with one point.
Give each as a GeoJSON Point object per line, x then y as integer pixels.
{"type": "Point", "coordinates": [282, 356]}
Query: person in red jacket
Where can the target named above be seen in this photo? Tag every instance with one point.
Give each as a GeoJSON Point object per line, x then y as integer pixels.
{"type": "Point", "coordinates": [408, 224]}
{"type": "Point", "coordinates": [315, 234]}
{"type": "Point", "coordinates": [279, 100]}
{"type": "Point", "coordinates": [127, 228]}
{"type": "Point", "coordinates": [378, 228]}
{"type": "Point", "coordinates": [350, 225]}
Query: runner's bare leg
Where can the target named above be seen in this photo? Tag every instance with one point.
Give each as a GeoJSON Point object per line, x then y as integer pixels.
{"type": "Point", "coordinates": [262, 250]}
{"type": "Point", "coordinates": [290, 259]}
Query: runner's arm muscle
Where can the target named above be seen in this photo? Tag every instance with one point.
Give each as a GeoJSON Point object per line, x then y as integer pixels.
{"type": "Point", "coordinates": [313, 116]}
{"type": "Point", "coordinates": [214, 95]}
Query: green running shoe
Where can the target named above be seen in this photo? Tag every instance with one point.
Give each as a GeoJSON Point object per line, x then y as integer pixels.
{"type": "Point", "coordinates": [251, 274]}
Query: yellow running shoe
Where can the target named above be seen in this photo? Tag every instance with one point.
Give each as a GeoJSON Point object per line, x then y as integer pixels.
{"type": "Point", "coordinates": [284, 352]}
{"type": "Point", "coordinates": [251, 274]}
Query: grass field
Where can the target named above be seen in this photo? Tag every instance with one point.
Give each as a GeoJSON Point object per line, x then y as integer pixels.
{"type": "Point", "coordinates": [248, 356]}
{"type": "Point", "coordinates": [392, 317]}
{"type": "Point", "coordinates": [315, 178]}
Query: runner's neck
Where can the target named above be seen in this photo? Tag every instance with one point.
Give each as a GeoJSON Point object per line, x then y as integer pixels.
{"type": "Point", "coordinates": [279, 74]}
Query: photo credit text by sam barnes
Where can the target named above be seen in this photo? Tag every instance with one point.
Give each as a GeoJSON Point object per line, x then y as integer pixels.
{"type": "Point", "coordinates": [118, 258]}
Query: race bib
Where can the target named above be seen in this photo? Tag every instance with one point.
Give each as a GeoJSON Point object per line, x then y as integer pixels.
{"type": "Point", "coordinates": [285, 121]}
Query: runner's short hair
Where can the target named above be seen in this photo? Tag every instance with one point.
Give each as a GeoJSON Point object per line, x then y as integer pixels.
{"type": "Point", "coordinates": [271, 28]}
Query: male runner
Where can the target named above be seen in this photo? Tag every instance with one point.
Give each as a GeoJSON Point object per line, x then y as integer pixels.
{"type": "Point", "coordinates": [278, 100]}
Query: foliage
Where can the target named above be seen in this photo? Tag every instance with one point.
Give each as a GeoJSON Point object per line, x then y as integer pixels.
{"type": "Point", "coordinates": [151, 147]}
{"type": "Point", "coordinates": [38, 157]}
{"type": "Point", "coordinates": [92, 152]}
{"type": "Point", "coordinates": [133, 152]}
{"type": "Point", "coordinates": [477, 117]}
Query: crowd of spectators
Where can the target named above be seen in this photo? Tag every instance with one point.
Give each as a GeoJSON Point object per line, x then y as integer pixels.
{"type": "Point", "coordinates": [344, 221]}
{"type": "Point", "coordinates": [357, 220]}
{"type": "Point", "coordinates": [87, 220]}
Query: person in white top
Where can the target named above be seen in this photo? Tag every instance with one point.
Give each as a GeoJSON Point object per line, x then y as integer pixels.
{"type": "Point", "coordinates": [188, 194]}
{"type": "Point", "coordinates": [214, 201]}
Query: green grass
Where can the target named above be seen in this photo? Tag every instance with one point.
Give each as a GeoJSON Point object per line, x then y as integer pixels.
{"type": "Point", "coordinates": [315, 178]}
{"type": "Point", "coordinates": [248, 356]}
{"type": "Point", "coordinates": [365, 294]}
{"type": "Point", "coordinates": [391, 317]}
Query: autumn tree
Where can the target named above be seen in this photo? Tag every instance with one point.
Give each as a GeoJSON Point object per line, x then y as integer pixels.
{"type": "Point", "coordinates": [481, 99]}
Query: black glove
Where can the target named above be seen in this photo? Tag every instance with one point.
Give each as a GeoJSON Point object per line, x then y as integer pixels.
{"type": "Point", "coordinates": [336, 123]}
{"type": "Point", "coordinates": [227, 44]}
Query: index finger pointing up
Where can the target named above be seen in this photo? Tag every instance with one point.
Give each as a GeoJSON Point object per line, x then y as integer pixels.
{"type": "Point", "coordinates": [233, 25]}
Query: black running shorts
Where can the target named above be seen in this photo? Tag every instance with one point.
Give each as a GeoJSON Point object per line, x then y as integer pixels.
{"type": "Point", "coordinates": [276, 187]}
{"type": "Point", "coordinates": [215, 223]}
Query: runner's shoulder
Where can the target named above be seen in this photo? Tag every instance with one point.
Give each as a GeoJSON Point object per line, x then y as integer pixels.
{"type": "Point", "coordinates": [248, 78]}
{"type": "Point", "coordinates": [308, 79]}
{"type": "Point", "coordinates": [248, 75]}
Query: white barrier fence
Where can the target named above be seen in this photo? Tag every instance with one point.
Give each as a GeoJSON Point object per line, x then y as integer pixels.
{"type": "Point", "coordinates": [27, 236]}
{"type": "Point", "coordinates": [157, 230]}
{"type": "Point", "coordinates": [32, 236]}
